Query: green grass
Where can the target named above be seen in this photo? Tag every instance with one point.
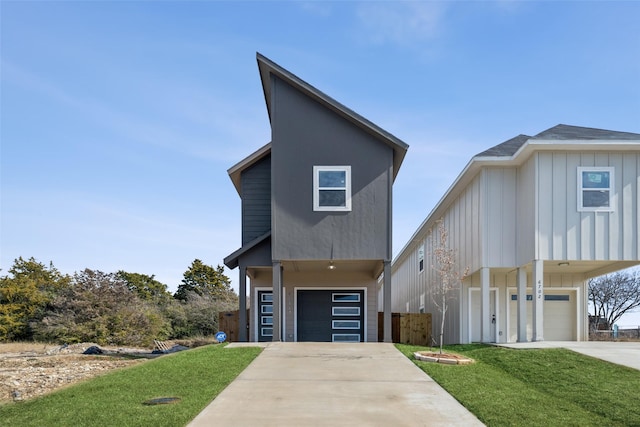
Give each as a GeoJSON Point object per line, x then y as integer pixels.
{"type": "Point", "coordinates": [546, 387]}
{"type": "Point", "coordinates": [116, 399]}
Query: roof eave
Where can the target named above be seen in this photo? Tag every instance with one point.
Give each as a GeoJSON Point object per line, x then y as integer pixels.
{"type": "Point", "coordinates": [268, 67]}
{"type": "Point", "coordinates": [476, 163]}
{"type": "Point", "coordinates": [235, 171]}
{"type": "Point", "coordinates": [233, 259]}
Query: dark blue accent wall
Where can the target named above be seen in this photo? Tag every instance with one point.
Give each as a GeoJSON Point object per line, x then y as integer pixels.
{"type": "Point", "coordinates": [256, 200]}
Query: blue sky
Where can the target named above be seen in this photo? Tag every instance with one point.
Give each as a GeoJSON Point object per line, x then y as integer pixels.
{"type": "Point", "coordinates": [120, 119]}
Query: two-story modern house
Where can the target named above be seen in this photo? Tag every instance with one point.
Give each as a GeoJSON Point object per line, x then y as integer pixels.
{"type": "Point", "coordinates": [316, 218]}
{"type": "Point", "coordinates": [533, 218]}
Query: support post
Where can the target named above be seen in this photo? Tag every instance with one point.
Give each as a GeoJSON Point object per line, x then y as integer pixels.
{"type": "Point", "coordinates": [521, 281]}
{"type": "Point", "coordinates": [485, 310]}
{"type": "Point", "coordinates": [386, 291]}
{"type": "Point", "coordinates": [277, 301]}
{"type": "Point", "coordinates": [242, 303]}
{"type": "Point", "coordinates": [538, 300]}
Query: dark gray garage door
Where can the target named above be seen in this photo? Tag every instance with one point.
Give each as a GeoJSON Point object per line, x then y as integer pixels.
{"type": "Point", "coordinates": [330, 315]}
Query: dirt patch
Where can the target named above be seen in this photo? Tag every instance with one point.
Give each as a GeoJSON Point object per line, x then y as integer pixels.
{"type": "Point", "coordinates": [30, 370]}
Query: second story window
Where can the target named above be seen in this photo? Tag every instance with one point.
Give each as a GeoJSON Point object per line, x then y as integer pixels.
{"type": "Point", "coordinates": [595, 189]}
{"type": "Point", "coordinates": [332, 188]}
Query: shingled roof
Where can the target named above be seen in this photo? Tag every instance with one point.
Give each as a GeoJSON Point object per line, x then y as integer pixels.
{"type": "Point", "coordinates": [560, 133]}
{"type": "Point", "coordinates": [564, 132]}
{"type": "Point", "coordinates": [507, 148]}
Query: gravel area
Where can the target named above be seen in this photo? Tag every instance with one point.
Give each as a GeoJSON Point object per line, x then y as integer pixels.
{"type": "Point", "coordinates": [30, 370]}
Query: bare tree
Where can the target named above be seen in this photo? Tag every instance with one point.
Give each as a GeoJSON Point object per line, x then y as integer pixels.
{"type": "Point", "coordinates": [449, 275]}
{"type": "Point", "coordinates": [614, 295]}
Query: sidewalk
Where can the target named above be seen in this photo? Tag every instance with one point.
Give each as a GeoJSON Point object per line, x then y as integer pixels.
{"type": "Point", "coordinates": [328, 384]}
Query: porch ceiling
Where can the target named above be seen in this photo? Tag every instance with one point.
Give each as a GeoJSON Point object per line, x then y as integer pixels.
{"type": "Point", "coordinates": [588, 268]}
{"type": "Point", "coordinates": [373, 267]}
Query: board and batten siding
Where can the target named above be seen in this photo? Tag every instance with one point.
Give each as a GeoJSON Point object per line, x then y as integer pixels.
{"type": "Point", "coordinates": [564, 233]}
{"type": "Point", "coordinates": [525, 212]}
{"type": "Point", "coordinates": [500, 248]}
{"type": "Point", "coordinates": [463, 220]}
{"type": "Point", "coordinates": [256, 200]}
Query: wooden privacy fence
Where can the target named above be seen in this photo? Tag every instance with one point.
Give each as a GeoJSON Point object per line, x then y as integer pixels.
{"type": "Point", "coordinates": [228, 322]}
{"type": "Point", "coordinates": [406, 328]}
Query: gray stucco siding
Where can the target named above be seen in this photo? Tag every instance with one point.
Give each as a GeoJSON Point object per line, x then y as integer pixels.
{"type": "Point", "coordinates": [306, 134]}
{"type": "Point", "coordinates": [256, 200]}
{"type": "Point", "coordinates": [258, 256]}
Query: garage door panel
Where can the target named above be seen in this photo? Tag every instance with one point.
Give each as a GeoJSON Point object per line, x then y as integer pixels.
{"type": "Point", "coordinates": [330, 315]}
{"type": "Point", "coordinates": [559, 316]}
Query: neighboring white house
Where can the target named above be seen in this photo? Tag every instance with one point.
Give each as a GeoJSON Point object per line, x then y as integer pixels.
{"type": "Point", "coordinates": [533, 218]}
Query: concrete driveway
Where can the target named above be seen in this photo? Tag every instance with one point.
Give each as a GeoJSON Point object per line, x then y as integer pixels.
{"type": "Point", "coordinates": [331, 384]}
{"type": "Point", "coordinates": [621, 353]}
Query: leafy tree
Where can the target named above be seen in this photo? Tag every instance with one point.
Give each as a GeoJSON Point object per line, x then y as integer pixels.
{"type": "Point", "coordinates": [100, 307]}
{"type": "Point", "coordinates": [614, 295]}
{"type": "Point", "coordinates": [450, 278]}
{"type": "Point", "coordinates": [146, 287]}
{"type": "Point", "coordinates": [197, 315]}
{"type": "Point", "coordinates": [205, 280]}
{"type": "Point", "coordinates": [25, 295]}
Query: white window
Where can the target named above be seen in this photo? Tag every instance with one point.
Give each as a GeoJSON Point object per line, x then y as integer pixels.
{"type": "Point", "coordinates": [332, 188]}
{"type": "Point", "coordinates": [595, 189]}
{"type": "Point", "coordinates": [345, 337]}
{"type": "Point", "coordinates": [345, 297]}
{"type": "Point", "coordinates": [345, 311]}
{"type": "Point", "coordinates": [345, 324]}
{"type": "Point", "coordinates": [421, 258]}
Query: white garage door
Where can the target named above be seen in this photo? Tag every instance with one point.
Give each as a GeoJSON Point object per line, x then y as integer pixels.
{"type": "Point", "coordinates": [559, 316]}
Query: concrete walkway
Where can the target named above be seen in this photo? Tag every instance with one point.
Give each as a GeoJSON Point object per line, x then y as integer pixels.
{"type": "Point", "coordinates": [330, 384]}
{"type": "Point", "coordinates": [621, 353]}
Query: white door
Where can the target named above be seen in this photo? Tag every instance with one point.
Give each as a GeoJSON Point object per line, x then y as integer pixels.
{"type": "Point", "coordinates": [474, 315]}
{"type": "Point", "coordinates": [559, 315]}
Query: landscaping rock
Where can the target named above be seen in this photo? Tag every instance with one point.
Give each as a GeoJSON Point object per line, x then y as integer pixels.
{"type": "Point", "coordinates": [94, 349]}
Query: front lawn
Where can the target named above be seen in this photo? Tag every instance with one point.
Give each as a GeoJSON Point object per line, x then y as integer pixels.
{"type": "Point", "coordinates": [116, 399]}
{"type": "Point", "coordinates": [542, 387]}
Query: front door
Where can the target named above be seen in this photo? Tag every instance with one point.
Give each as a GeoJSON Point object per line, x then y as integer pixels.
{"type": "Point", "coordinates": [330, 315]}
{"type": "Point", "coordinates": [265, 315]}
{"type": "Point", "coordinates": [474, 319]}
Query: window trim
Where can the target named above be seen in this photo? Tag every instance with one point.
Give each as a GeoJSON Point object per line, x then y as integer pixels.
{"type": "Point", "coordinates": [421, 258]}
{"type": "Point", "coordinates": [335, 297]}
{"type": "Point", "coordinates": [317, 189]}
{"type": "Point", "coordinates": [354, 337]}
{"type": "Point", "coordinates": [581, 189]}
{"type": "Point", "coordinates": [355, 324]}
{"type": "Point", "coordinates": [336, 311]}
